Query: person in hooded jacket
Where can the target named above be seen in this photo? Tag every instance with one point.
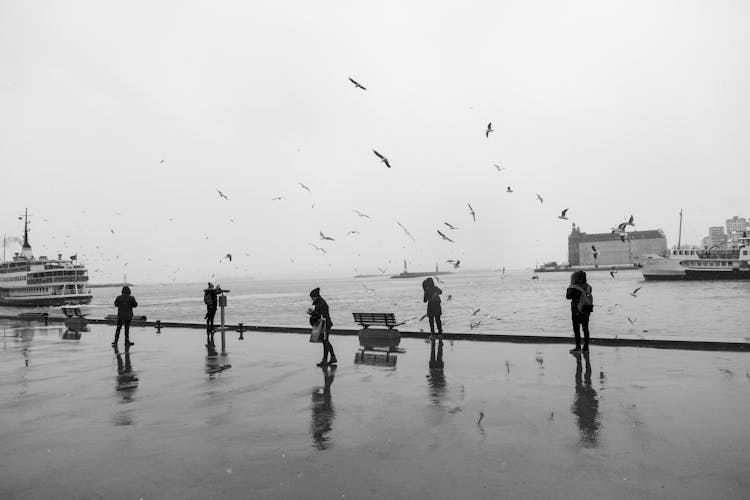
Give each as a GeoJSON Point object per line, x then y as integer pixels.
{"type": "Point", "coordinates": [211, 299]}
{"type": "Point", "coordinates": [124, 304]}
{"type": "Point", "coordinates": [579, 310]}
{"type": "Point", "coordinates": [320, 310]}
{"type": "Point", "coordinates": [434, 311]}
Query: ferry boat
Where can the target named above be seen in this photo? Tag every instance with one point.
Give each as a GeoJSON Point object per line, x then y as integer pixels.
{"type": "Point", "coordinates": [700, 264]}
{"type": "Point", "coordinates": [27, 281]}
{"type": "Point", "coordinates": [420, 274]}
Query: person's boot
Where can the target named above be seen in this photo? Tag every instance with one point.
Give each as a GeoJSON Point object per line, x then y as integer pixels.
{"type": "Point", "coordinates": [128, 342]}
{"type": "Point", "coordinates": [333, 359]}
{"type": "Point", "coordinates": [323, 362]}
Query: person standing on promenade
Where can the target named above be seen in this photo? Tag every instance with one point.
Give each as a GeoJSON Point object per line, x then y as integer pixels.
{"type": "Point", "coordinates": [581, 306]}
{"type": "Point", "coordinates": [124, 304]}
{"type": "Point", "coordinates": [434, 311]}
{"type": "Point", "coordinates": [210, 298]}
{"type": "Point", "coordinates": [320, 310]}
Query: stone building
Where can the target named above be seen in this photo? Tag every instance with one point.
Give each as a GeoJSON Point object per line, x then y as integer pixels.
{"type": "Point", "coordinates": [613, 251]}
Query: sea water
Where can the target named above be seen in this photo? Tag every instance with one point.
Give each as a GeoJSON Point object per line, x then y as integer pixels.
{"type": "Point", "coordinates": [710, 310]}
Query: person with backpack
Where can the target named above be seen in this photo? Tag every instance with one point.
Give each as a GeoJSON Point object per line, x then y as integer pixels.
{"type": "Point", "coordinates": [581, 307]}
{"type": "Point", "coordinates": [434, 311]}
{"type": "Point", "coordinates": [124, 304]}
{"type": "Point", "coordinates": [210, 298]}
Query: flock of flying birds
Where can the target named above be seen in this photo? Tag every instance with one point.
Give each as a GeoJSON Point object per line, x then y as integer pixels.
{"type": "Point", "coordinates": [620, 229]}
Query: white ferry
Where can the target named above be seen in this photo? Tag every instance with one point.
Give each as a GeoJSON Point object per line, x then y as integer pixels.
{"type": "Point", "coordinates": [700, 264]}
{"type": "Point", "coordinates": [27, 281]}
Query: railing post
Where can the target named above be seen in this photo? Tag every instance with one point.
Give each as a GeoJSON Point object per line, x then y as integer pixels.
{"type": "Point", "coordinates": [241, 330]}
{"type": "Point", "coordinates": [158, 326]}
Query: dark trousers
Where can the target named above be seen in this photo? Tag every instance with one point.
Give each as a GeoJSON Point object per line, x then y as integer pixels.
{"type": "Point", "coordinates": [121, 322]}
{"type": "Point", "coordinates": [210, 319]}
{"type": "Point", "coordinates": [435, 319]}
{"type": "Point", "coordinates": [581, 320]}
{"type": "Point", "coordinates": [327, 347]}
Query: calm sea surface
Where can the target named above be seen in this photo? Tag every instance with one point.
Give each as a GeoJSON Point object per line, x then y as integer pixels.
{"type": "Point", "coordinates": [692, 310]}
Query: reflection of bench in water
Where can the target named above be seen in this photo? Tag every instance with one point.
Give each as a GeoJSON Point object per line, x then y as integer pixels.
{"type": "Point", "coordinates": [34, 316]}
{"type": "Point", "coordinates": [384, 338]}
{"type": "Point", "coordinates": [375, 358]}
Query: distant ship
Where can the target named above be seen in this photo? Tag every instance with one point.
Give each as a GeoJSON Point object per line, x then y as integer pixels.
{"type": "Point", "coordinates": [713, 263]}
{"type": "Point", "coordinates": [27, 281]}
{"type": "Point", "coordinates": [406, 274]}
{"type": "Point", "coordinates": [700, 264]}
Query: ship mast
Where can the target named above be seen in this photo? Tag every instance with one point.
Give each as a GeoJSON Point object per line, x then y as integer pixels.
{"type": "Point", "coordinates": [679, 233]}
{"type": "Point", "coordinates": [26, 248]}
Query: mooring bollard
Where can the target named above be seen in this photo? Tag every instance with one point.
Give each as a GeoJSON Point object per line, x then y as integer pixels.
{"type": "Point", "coordinates": [241, 330]}
{"type": "Point", "coordinates": [158, 326]}
{"type": "Point", "coordinates": [223, 304]}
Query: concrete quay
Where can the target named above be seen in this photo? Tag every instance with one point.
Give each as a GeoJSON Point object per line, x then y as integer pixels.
{"type": "Point", "coordinates": [172, 419]}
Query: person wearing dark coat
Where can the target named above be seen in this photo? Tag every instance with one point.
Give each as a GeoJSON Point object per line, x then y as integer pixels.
{"type": "Point", "coordinates": [318, 311]}
{"type": "Point", "coordinates": [434, 311]}
{"type": "Point", "coordinates": [125, 304]}
{"type": "Point", "coordinates": [579, 312]}
{"type": "Point", "coordinates": [211, 299]}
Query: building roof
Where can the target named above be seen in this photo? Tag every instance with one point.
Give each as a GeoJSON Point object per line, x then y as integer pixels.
{"type": "Point", "coordinates": [633, 235]}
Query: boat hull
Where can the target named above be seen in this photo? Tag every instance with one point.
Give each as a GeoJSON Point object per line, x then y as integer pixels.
{"type": "Point", "coordinates": [47, 301]}
{"type": "Point", "coordinates": [690, 275]}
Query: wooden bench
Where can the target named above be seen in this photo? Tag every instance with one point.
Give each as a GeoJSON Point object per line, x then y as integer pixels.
{"type": "Point", "coordinates": [377, 337]}
{"type": "Point", "coordinates": [35, 316]}
{"type": "Point", "coordinates": [375, 319]}
{"type": "Point", "coordinates": [136, 319]}
{"type": "Point", "coordinates": [73, 312]}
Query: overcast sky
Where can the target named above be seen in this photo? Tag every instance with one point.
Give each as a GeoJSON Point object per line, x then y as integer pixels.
{"type": "Point", "coordinates": [606, 108]}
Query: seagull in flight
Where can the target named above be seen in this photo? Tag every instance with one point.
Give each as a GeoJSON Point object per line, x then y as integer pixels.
{"type": "Point", "coordinates": [316, 247]}
{"type": "Point", "coordinates": [475, 324]}
{"type": "Point", "coordinates": [356, 84]}
{"type": "Point", "coordinates": [352, 232]}
{"type": "Point", "coordinates": [443, 236]}
{"type": "Point", "coordinates": [455, 263]}
{"type": "Point", "coordinates": [161, 161]}
{"type": "Point", "coordinates": [632, 321]}
{"type": "Point", "coordinates": [563, 215]}
{"type": "Point", "coordinates": [476, 311]}
{"type": "Point", "coordinates": [304, 187]}
{"type": "Point", "coordinates": [222, 194]}
{"type": "Point", "coordinates": [498, 167]}
{"type": "Point", "coordinates": [228, 256]}
{"type": "Point", "coordinates": [612, 273]}
{"type": "Point", "coordinates": [382, 270]}
{"type": "Point", "coordinates": [324, 237]}
{"type": "Point", "coordinates": [382, 158]}
{"type": "Point", "coordinates": [361, 214]}
{"type": "Point", "coordinates": [277, 198]}
{"type": "Point", "coordinates": [471, 211]}
{"type": "Point", "coordinates": [509, 189]}
{"type": "Point", "coordinates": [489, 129]}
{"type": "Point", "coordinates": [451, 226]}
{"type": "Point", "coordinates": [635, 292]}
{"type": "Point", "coordinates": [405, 230]}
{"type": "Point", "coordinates": [538, 197]}
{"type": "Point", "coordinates": [596, 252]}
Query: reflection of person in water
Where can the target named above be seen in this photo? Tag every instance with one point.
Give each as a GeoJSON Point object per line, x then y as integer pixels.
{"type": "Point", "coordinates": [586, 405]}
{"type": "Point", "coordinates": [322, 410]}
{"type": "Point", "coordinates": [436, 376]}
{"type": "Point", "coordinates": [127, 379]}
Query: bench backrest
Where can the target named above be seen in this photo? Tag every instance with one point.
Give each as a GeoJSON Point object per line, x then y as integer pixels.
{"type": "Point", "coordinates": [71, 311]}
{"type": "Point", "coordinates": [380, 319]}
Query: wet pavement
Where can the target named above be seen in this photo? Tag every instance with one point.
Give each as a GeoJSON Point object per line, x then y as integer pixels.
{"type": "Point", "coordinates": [171, 418]}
